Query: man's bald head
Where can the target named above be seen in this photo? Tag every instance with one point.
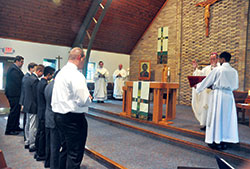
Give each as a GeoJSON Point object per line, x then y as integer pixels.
{"type": "Point", "coordinates": [77, 57]}
{"type": "Point", "coordinates": [75, 52]}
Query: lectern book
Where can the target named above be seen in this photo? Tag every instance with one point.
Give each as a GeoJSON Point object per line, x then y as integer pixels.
{"type": "Point", "coordinates": [193, 80]}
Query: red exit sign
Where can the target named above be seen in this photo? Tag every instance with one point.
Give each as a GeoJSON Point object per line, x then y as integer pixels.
{"type": "Point", "coordinates": [8, 50]}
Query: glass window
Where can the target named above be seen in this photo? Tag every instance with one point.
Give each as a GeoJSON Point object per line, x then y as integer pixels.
{"type": "Point", "coordinates": [50, 62]}
{"type": "Point", "coordinates": [91, 72]}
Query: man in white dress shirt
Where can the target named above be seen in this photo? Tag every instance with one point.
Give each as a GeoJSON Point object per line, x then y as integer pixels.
{"type": "Point", "coordinates": [201, 101]}
{"type": "Point", "coordinates": [222, 126]}
{"type": "Point", "coordinates": [70, 100]}
{"type": "Point", "coordinates": [101, 79]}
{"type": "Point", "coordinates": [119, 77]}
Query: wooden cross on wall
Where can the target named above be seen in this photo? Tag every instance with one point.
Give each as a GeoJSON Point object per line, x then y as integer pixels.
{"type": "Point", "coordinates": [58, 61]}
{"type": "Point", "coordinates": [207, 5]}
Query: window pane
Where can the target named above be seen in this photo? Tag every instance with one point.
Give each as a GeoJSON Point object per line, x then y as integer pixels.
{"type": "Point", "coordinates": [91, 72]}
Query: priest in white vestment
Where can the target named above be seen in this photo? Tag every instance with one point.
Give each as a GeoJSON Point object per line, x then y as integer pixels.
{"type": "Point", "coordinates": [101, 80]}
{"type": "Point", "coordinates": [222, 126]}
{"type": "Point", "coordinates": [201, 101]}
{"type": "Point", "coordinates": [119, 77]}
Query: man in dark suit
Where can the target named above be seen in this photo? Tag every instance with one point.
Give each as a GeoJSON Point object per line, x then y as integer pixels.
{"type": "Point", "coordinates": [31, 69]}
{"type": "Point", "coordinates": [41, 105]}
{"type": "Point", "coordinates": [53, 139]}
{"type": "Point", "coordinates": [30, 106]}
{"type": "Point", "coordinates": [13, 92]}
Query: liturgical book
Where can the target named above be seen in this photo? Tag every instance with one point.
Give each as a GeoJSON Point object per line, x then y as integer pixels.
{"type": "Point", "coordinates": [193, 80]}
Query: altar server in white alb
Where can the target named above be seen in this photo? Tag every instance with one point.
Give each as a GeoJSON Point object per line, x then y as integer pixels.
{"type": "Point", "coordinates": [119, 77]}
{"type": "Point", "coordinates": [101, 79]}
{"type": "Point", "coordinates": [201, 101]}
{"type": "Point", "coordinates": [221, 124]}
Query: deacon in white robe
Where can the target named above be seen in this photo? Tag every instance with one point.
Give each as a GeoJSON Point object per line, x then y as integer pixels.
{"type": "Point", "coordinates": [201, 101]}
{"type": "Point", "coordinates": [119, 77]}
{"type": "Point", "coordinates": [101, 79]}
{"type": "Point", "coordinates": [222, 126]}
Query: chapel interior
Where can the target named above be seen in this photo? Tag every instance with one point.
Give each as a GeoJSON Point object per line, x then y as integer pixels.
{"type": "Point", "coordinates": [166, 35]}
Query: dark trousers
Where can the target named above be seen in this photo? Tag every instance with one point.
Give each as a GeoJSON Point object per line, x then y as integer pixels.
{"type": "Point", "coordinates": [53, 150]}
{"type": "Point", "coordinates": [24, 123]}
{"type": "Point", "coordinates": [40, 138]}
{"type": "Point", "coordinates": [47, 148]}
{"type": "Point", "coordinates": [14, 116]}
{"type": "Point", "coordinates": [73, 128]}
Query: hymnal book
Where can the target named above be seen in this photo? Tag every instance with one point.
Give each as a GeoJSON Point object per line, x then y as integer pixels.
{"type": "Point", "coordinates": [193, 80]}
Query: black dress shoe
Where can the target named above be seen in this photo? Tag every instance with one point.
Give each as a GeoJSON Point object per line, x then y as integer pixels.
{"type": "Point", "coordinates": [223, 146]}
{"type": "Point", "coordinates": [212, 146]}
{"type": "Point", "coordinates": [203, 128]}
{"type": "Point", "coordinates": [26, 146]}
{"type": "Point", "coordinates": [47, 164]}
{"type": "Point", "coordinates": [33, 149]}
{"type": "Point", "coordinates": [218, 147]}
{"type": "Point", "coordinates": [11, 133]}
{"type": "Point", "coordinates": [40, 158]}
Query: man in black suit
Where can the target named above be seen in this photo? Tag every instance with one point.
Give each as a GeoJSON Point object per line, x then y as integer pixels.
{"type": "Point", "coordinates": [30, 106]}
{"type": "Point", "coordinates": [31, 69]}
{"type": "Point", "coordinates": [41, 105]}
{"type": "Point", "coordinates": [13, 92]}
{"type": "Point", "coordinates": [53, 140]}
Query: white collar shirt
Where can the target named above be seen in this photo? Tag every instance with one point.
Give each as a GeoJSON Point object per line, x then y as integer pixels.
{"type": "Point", "coordinates": [70, 92]}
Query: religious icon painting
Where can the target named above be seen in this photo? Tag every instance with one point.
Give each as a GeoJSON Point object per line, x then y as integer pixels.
{"type": "Point", "coordinates": [144, 70]}
{"type": "Point", "coordinates": [140, 100]}
{"type": "Point", "coordinates": [162, 46]}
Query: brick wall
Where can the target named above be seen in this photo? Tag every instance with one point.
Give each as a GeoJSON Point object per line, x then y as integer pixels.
{"type": "Point", "coordinates": [187, 40]}
{"type": "Point", "coordinates": [247, 73]}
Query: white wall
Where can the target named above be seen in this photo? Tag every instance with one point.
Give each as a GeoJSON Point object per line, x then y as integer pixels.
{"type": "Point", "coordinates": [110, 60]}
{"type": "Point", "coordinates": [36, 52]}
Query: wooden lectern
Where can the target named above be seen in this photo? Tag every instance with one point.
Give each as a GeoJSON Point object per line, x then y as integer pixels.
{"type": "Point", "coordinates": [158, 89]}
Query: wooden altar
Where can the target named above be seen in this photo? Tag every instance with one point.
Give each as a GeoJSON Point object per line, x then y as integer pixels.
{"type": "Point", "coordinates": [245, 108]}
{"type": "Point", "coordinates": [158, 89]}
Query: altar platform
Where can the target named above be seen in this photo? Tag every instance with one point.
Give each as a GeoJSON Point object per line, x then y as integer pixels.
{"type": "Point", "coordinates": [184, 119]}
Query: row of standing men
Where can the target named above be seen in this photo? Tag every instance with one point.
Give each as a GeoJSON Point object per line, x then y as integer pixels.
{"type": "Point", "coordinates": [55, 127]}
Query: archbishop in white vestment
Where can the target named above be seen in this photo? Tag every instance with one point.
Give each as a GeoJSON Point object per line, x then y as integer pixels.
{"type": "Point", "coordinates": [101, 79]}
{"type": "Point", "coordinates": [119, 77]}
{"type": "Point", "coordinates": [201, 101]}
{"type": "Point", "coordinates": [221, 125]}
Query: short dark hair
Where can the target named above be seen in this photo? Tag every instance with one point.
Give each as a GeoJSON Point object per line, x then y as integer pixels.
{"type": "Point", "coordinates": [31, 65]}
{"type": "Point", "coordinates": [100, 62]}
{"type": "Point", "coordinates": [18, 58]}
{"type": "Point", "coordinates": [40, 67]}
{"type": "Point", "coordinates": [48, 70]}
{"type": "Point", "coordinates": [227, 56]}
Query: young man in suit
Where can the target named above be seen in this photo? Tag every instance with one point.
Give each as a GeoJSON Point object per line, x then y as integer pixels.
{"type": "Point", "coordinates": [41, 105]}
{"type": "Point", "coordinates": [30, 106]}
{"type": "Point", "coordinates": [31, 69]}
{"type": "Point", "coordinates": [13, 92]}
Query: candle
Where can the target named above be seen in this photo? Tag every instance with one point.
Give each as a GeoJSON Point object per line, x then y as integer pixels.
{"type": "Point", "coordinates": [168, 71]}
{"type": "Point", "coordinates": [248, 92]}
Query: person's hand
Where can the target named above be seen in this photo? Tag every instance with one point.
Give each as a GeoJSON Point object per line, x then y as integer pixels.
{"type": "Point", "coordinates": [195, 64]}
{"type": "Point", "coordinates": [21, 108]}
{"type": "Point", "coordinates": [90, 97]}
